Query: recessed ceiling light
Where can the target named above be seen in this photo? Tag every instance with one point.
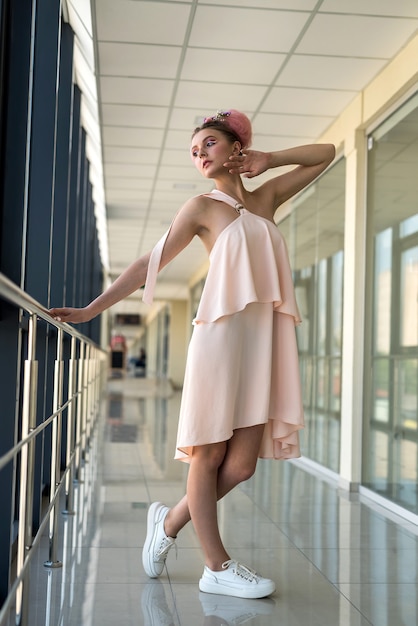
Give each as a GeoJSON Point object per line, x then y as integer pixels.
{"type": "Point", "coordinates": [184, 186]}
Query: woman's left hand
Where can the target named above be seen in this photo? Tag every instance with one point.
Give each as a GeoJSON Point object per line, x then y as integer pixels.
{"type": "Point", "coordinates": [250, 164]}
{"type": "Point", "coordinates": [71, 314]}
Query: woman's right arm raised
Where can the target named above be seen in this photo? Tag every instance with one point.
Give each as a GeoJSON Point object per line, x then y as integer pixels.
{"type": "Point", "coordinates": [183, 229]}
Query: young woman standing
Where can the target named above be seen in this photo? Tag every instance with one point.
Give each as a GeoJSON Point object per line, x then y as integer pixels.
{"type": "Point", "coordinates": [241, 397]}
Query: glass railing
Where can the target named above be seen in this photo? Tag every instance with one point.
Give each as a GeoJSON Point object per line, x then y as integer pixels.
{"type": "Point", "coordinates": [78, 381]}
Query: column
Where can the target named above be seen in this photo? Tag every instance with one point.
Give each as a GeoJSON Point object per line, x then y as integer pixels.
{"type": "Point", "coordinates": [353, 311]}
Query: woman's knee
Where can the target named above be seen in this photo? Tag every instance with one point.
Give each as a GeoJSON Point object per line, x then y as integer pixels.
{"type": "Point", "coordinates": [211, 455]}
{"type": "Point", "coordinates": [242, 471]}
{"type": "Point", "coordinates": [237, 469]}
{"type": "Point", "coordinates": [242, 454]}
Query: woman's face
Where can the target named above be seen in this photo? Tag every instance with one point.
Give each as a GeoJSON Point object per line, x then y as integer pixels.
{"type": "Point", "coordinates": [210, 149]}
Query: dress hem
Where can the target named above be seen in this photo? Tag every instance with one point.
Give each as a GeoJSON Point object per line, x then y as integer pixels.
{"type": "Point", "coordinates": [281, 448]}
{"type": "Point", "coordinates": [277, 308]}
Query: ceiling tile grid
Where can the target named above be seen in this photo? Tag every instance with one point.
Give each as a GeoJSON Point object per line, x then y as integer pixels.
{"type": "Point", "coordinates": [291, 65]}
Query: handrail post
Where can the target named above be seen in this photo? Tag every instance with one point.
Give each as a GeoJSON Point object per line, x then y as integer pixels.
{"type": "Point", "coordinates": [96, 384]}
{"type": "Point", "coordinates": [80, 379]}
{"type": "Point", "coordinates": [90, 412]}
{"type": "Point", "coordinates": [71, 414]}
{"type": "Point", "coordinates": [85, 403]}
{"type": "Point", "coordinates": [27, 461]}
{"type": "Point", "coordinates": [56, 453]}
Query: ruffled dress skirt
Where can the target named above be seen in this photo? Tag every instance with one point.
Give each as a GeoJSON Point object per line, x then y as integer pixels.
{"type": "Point", "coordinates": [234, 379]}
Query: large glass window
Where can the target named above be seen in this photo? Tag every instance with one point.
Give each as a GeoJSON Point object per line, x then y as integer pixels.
{"type": "Point", "coordinates": [3, 35]}
{"type": "Point", "coordinates": [315, 235]}
{"type": "Point", "coordinates": [390, 443]}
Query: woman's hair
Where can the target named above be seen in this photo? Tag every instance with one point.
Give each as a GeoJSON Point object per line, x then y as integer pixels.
{"type": "Point", "coordinates": [233, 124]}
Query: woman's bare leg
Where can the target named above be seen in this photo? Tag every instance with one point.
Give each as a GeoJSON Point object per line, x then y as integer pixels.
{"type": "Point", "coordinates": [202, 498]}
{"type": "Point", "coordinates": [214, 471]}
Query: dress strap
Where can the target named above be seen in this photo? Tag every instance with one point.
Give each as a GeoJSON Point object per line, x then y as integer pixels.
{"type": "Point", "coordinates": [153, 267]}
{"type": "Point", "coordinates": [216, 194]}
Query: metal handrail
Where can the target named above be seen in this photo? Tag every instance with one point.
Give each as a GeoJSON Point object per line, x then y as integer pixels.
{"type": "Point", "coordinates": [85, 381]}
{"type": "Point", "coordinates": [15, 295]}
{"type": "Point", "coordinates": [11, 454]}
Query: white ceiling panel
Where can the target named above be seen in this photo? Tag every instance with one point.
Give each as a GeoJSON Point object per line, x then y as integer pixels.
{"type": "Point", "coordinates": [129, 240]}
{"type": "Point", "coordinates": [246, 28]}
{"type": "Point", "coordinates": [208, 97]}
{"type": "Point", "coordinates": [117, 182]}
{"type": "Point", "coordinates": [270, 143]}
{"type": "Point", "coordinates": [124, 216]}
{"type": "Point", "coordinates": [296, 5]}
{"type": "Point", "coordinates": [126, 154]}
{"type": "Point", "coordinates": [183, 118]}
{"type": "Point", "coordinates": [170, 185]}
{"type": "Point", "coordinates": [132, 59]}
{"type": "Point", "coordinates": [291, 65]}
{"type": "Point", "coordinates": [117, 225]}
{"type": "Point", "coordinates": [171, 170]}
{"type": "Point", "coordinates": [330, 72]}
{"type": "Point", "coordinates": [295, 125]}
{"type": "Point", "coordinates": [357, 36]}
{"type": "Point", "coordinates": [132, 137]}
{"type": "Point", "coordinates": [145, 22]}
{"type": "Point", "coordinates": [307, 101]}
{"type": "Point", "coordinates": [127, 195]}
{"type": "Point", "coordinates": [122, 90]}
{"type": "Point", "coordinates": [136, 207]}
{"type": "Point", "coordinates": [257, 68]}
{"type": "Point", "coordinates": [180, 156]}
{"type": "Point", "coordinates": [403, 8]}
{"type": "Point", "coordinates": [134, 115]}
{"type": "Point", "coordinates": [123, 171]}
{"type": "Point", "coordinates": [178, 140]}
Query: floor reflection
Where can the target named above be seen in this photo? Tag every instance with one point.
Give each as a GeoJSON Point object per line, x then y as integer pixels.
{"type": "Point", "coordinates": [336, 561]}
{"type": "Point", "coordinates": [155, 608]}
{"type": "Point", "coordinates": [219, 610]}
{"type": "Point", "coordinates": [159, 608]}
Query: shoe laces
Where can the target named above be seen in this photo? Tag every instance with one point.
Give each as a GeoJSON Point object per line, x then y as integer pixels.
{"type": "Point", "coordinates": [242, 571]}
{"type": "Point", "coordinates": [164, 547]}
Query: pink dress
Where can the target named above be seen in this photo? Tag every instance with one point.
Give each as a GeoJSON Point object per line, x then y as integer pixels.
{"type": "Point", "coordinates": [242, 365]}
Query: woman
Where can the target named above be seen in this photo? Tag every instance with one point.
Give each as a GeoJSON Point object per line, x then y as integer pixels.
{"type": "Point", "coordinates": [241, 397]}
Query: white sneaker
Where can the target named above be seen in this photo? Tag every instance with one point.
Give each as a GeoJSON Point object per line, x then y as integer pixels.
{"type": "Point", "coordinates": [157, 544]}
{"type": "Point", "coordinates": [236, 580]}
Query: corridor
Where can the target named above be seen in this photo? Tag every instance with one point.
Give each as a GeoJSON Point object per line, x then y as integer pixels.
{"type": "Point", "coordinates": [336, 561]}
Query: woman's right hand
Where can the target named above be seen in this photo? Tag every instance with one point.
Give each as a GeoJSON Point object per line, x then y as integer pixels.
{"type": "Point", "coordinates": [70, 314]}
{"type": "Point", "coordinates": [251, 163]}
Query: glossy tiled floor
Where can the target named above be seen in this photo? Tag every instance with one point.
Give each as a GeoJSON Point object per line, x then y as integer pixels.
{"type": "Point", "coordinates": [336, 561]}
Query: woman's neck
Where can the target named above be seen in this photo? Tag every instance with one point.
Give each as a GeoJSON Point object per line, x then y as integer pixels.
{"type": "Point", "coordinates": [233, 188]}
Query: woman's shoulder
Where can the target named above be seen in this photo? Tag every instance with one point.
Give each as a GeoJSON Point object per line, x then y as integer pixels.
{"type": "Point", "coordinates": [194, 212]}
{"type": "Point", "coordinates": [196, 203]}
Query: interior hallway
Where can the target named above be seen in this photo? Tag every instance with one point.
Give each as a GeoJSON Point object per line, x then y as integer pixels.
{"type": "Point", "coordinates": [336, 561]}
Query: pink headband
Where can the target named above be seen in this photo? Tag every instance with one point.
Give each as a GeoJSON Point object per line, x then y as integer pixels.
{"type": "Point", "coordinates": [237, 122]}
